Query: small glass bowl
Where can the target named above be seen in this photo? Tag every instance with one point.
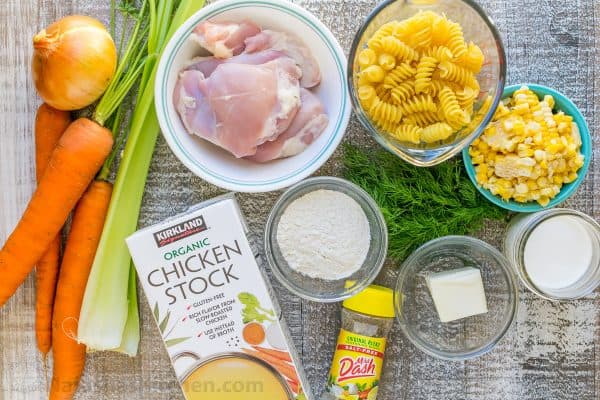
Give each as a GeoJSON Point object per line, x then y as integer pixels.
{"type": "Point", "coordinates": [519, 231]}
{"type": "Point", "coordinates": [467, 337]}
{"type": "Point", "coordinates": [321, 290]}
{"type": "Point", "coordinates": [478, 28]}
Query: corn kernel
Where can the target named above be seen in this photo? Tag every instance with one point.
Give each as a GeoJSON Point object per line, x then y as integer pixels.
{"type": "Point", "coordinates": [483, 146]}
{"type": "Point", "coordinates": [508, 125]}
{"type": "Point", "coordinates": [543, 201]}
{"type": "Point", "coordinates": [568, 178]}
{"type": "Point", "coordinates": [532, 185]}
{"type": "Point", "coordinates": [521, 188]}
{"type": "Point", "coordinates": [542, 182]}
{"type": "Point", "coordinates": [524, 151]}
{"type": "Point", "coordinates": [549, 100]}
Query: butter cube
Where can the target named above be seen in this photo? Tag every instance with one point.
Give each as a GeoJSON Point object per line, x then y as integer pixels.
{"type": "Point", "coordinates": [457, 293]}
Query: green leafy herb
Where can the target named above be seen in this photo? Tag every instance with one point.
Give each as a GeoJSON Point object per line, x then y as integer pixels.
{"type": "Point", "coordinates": [253, 310]}
{"type": "Point", "coordinates": [419, 204]}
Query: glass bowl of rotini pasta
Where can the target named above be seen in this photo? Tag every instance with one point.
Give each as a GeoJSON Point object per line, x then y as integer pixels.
{"type": "Point", "coordinates": [426, 76]}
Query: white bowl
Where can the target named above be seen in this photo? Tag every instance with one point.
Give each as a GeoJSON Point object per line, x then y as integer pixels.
{"type": "Point", "coordinates": [216, 165]}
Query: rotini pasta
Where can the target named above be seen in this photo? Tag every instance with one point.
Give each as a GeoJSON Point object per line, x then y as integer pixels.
{"type": "Point", "coordinates": [436, 132]}
{"type": "Point", "coordinates": [399, 74]}
{"type": "Point", "coordinates": [402, 92]}
{"type": "Point", "coordinates": [373, 73]}
{"type": "Point", "coordinates": [424, 73]}
{"type": "Point", "coordinates": [408, 133]}
{"type": "Point", "coordinates": [458, 74]}
{"type": "Point", "coordinates": [386, 30]}
{"type": "Point", "coordinates": [436, 85]}
{"type": "Point", "coordinates": [472, 59]}
{"type": "Point", "coordinates": [383, 112]}
{"type": "Point", "coordinates": [417, 79]}
{"type": "Point", "coordinates": [367, 57]}
{"type": "Point", "coordinates": [440, 53]}
{"type": "Point", "coordinates": [367, 96]}
{"type": "Point", "coordinates": [398, 48]}
{"type": "Point", "coordinates": [456, 41]}
{"type": "Point", "coordinates": [466, 96]}
{"type": "Point", "coordinates": [422, 119]}
{"type": "Point", "coordinates": [386, 61]}
{"type": "Point", "coordinates": [449, 105]}
{"type": "Point", "coordinates": [384, 94]}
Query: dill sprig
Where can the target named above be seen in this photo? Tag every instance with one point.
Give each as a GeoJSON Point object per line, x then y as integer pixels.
{"type": "Point", "coordinates": [419, 204]}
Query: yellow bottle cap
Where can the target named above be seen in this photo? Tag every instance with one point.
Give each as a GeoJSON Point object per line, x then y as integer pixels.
{"type": "Point", "coordinates": [374, 300]}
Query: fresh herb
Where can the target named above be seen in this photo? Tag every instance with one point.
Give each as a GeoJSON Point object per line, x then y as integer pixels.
{"type": "Point", "coordinates": [253, 310]}
{"type": "Point", "coordinates": [419, 204]}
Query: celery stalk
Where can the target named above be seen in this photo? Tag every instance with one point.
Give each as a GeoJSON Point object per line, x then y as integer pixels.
{"type": "Point", "coordinates": [131, 333]}
{"type": "Point", "coordinates": [106, 305]}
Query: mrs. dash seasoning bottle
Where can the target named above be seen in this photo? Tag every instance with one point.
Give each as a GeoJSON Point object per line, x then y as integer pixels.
{"type": "Point", "coordinates": [358, 359]}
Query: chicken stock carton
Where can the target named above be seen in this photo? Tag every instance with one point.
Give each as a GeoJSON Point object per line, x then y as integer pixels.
{"type": "Point", "coordinates": [221, 326]}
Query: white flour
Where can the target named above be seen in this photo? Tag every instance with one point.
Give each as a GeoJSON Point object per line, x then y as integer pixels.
{"type": "Point", "coordinates": [324, 234]}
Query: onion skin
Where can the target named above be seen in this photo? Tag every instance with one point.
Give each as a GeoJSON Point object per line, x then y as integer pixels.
{"type": "Point", "coordinates": [74, 60]}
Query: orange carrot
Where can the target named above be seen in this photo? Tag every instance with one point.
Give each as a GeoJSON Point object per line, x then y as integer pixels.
{"type": "Point", "coordinates": [50, 124]}
{"type": "Point", "coordinates": [285, 369]}
{"type": "Point", "coordinates": [86, 229]}
{"type": "Point", "coordinates": [77, 158]}
{"type": "Point", "coordinates": [254, 333]}
{"type": "Point", "coordinates": [295, 386]}
{"type": "Point", "coordinates": [282, 355]}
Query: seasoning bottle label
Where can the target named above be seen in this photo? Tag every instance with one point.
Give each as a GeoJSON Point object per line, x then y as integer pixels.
{"type": "Point", "coordinates": [356, 367]}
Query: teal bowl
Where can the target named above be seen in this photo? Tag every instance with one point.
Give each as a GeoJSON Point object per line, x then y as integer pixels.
{"type": "Point", "coordinates": [562, 103]}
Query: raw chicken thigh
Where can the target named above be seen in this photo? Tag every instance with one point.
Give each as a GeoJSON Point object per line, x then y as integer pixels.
{"type": "Point", "coordinates": [207, 65]}
{"type": "Point", "coordinates": [249, 97]}
{"type": "Point", "coordinates": [292, 47]}
{"type": "Point", "coordinates": [307, 126]}
{"type": "Point", "coordinates": [240, 106]}
{"type": "Point", "coordinates": [224, 39]}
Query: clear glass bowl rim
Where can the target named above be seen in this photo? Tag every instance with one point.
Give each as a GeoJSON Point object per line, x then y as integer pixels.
{"type": "Point", "coordinates": [509, 318]}
{"type": "Point", "coordinates": [290, 195]}
{"type": "Point", "coordinates": [459, 146]}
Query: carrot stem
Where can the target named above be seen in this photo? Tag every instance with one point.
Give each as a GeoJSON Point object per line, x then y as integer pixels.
{"type": "Point", "coordinates": [129, 68]}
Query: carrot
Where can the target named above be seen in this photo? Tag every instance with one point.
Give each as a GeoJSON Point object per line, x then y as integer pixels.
{"type": "Point", "coordinates": [282, 355]}
{"type": "Point", "coordinates": [254, 333]}
{"type": "Point", "coordinates": [295, 386]}
{"type": "Point", "coordinates": [77, 158]}
{"type": "Point", "coordinates": [285, 369]}
{"type": "Point", "coordinates": [50, 124]}
{"type": "Point", "coordinates": [80, 250]}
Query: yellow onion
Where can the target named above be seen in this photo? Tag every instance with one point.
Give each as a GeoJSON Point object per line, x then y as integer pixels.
{"type": "Point", "coordinates": [74, 60]}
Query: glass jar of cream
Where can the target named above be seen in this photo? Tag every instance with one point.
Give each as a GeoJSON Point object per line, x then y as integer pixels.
{"type": "Point", "coordinates": [556, 252]}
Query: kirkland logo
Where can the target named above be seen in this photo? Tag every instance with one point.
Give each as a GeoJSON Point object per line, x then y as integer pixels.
{"type": "Point", "coordinates": [180, 231]}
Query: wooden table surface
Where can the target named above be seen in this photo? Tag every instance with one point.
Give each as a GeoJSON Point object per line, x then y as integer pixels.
{"type": "Point", "coordinates": [550, 352]}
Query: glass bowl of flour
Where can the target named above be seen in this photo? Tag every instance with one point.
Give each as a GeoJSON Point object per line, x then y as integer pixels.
{"type": "Point", "coordinates": [326, 239]}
